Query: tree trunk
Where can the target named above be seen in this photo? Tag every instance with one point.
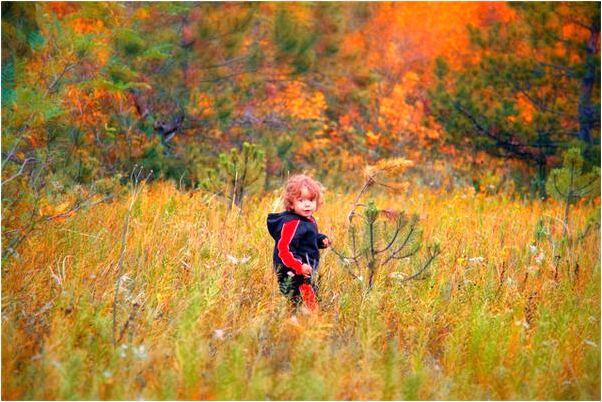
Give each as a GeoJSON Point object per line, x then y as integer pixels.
{"type": "Point", "coordinates": [541, 176]}
{"type": "Point", "coordinates": [569, 197]}
{"type": "Point", "coordinates": [586, 111]}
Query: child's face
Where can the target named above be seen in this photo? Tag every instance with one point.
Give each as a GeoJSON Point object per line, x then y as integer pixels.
{"type": "Point", "coordinates": [305, 205]}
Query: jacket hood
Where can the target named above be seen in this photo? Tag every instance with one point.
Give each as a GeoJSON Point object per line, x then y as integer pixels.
{"type": "Point", "coordinates": [276, 220]}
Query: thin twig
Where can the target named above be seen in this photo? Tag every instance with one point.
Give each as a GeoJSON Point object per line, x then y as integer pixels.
{"type": "Point", "coordinates": [137, 189]}
{"type": "Point", "coordinates": [356, 203]}
{"type": "Point", "coordinates": [349, 271]}
{"type": "Point", "coordinates": [19, 173]}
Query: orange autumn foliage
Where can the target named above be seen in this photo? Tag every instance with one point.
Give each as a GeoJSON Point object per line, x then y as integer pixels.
{"type": "Point", "coordinates": [298, 101]}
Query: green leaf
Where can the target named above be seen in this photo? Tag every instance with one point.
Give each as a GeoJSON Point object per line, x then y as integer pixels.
{"type": "Point", "coordinates": [8, 83]}
{"type": "Point", "coordinates": [35, 40]}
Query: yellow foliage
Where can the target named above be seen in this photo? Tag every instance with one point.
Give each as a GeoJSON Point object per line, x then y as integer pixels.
{"type": "Point", "coordinates": [62, 207]}
{"type": "Point", "coordinates": [387, 168]}
{"type": "Point", "coordinates": [371, 138]}
{"type": "Point", "coordinates": [46, 210]}
{"type": "Point", "coordinates": [200, 314]}
{"type": "Point", "coordinates": [393, 166]}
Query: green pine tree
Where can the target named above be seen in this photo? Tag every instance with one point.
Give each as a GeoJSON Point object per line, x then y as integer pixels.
{"type": "Point", "coordinates": [238, 174]}
{"type": "Point", "coordinates": [382, 238]}
{"type": "Point", "coordinates": [569, 183]}
{"type": "Point", "coordinates": [532, 90]}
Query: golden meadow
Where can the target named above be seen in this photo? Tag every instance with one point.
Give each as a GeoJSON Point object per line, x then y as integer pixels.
{"type": "Point", "coordinates": [199, 315]}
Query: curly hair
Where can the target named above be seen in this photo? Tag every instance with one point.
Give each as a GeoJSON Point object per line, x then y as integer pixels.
{"type": "Point", "coordinates": [294, 186]}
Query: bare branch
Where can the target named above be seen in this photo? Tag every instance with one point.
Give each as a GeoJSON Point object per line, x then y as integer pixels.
{"type": "Point", "coordinates": [77, 207]}
{"type": "Point", "coordinates": [356, 203]}
{"type": "Point", "coordinates": [124, 232]}
{"type": "Point", "coordinates": [19, 173]}
{"type": "Point", "coordinates": [225, 63]}
{"type": "Point", "coordinates": [19, 136]}
{"type": "Point", "coordinates": [226, 77]}
{"type": "Point", "coordinates": [57, 79]}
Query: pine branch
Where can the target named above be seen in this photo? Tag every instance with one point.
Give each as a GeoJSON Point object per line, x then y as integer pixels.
{"type": "Point", "coordinates": [509, 146]}
{"type": "Point", "coordinates": [58, 78]}
{"type": "Point", "coordinates": [409, 254]}
{"type": "Point", "coordinates": [594, 180]}
{"type": "Point", "coordinates": [344, 259]}
{"type": "Point", "coordinates": [432, 256]}
{"type": "Point", "coordinates": [397, 230]}
{"type": "Point", "coordinates": [556, 187]}
{"type": "Point", "coordinates": [539, 103]}
{"type": "Point", "coordinates": [402, 245]}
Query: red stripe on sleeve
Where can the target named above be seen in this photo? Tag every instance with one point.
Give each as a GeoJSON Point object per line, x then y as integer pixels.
{"type": "Point", "coordinates": [287, 234]}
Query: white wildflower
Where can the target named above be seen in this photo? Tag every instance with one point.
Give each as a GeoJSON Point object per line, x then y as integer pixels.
{"type": "Point", "coordinates": [592, 319]}
{"type": "Point", "coordinates": [125, 284]}
{"type": "Point", "coordinates": [590, 343]}
{"type": "Point", "coordinates": [139, 299]}
{"type": "Point", "coordinates": [123, 351]}
{"type": "Point", "coordinates": [521, 323]}
{"type": "Point", "coordinates": [476, 260]}
{"type": "Point", "coordinates": [360, 278]}
{"type": "Point", "coordinates": [140, 352]}
{"type": "Point", "coordinates": [396, 275]}
{"type": "Point", "coordinates": [107, 374]}
{"type": "Point", "coordinates": [219, 334]}
{"type": "Point", "coordinates": [532, 269]}
{"type": "Point", "coordinates": [238, 261]}
{"type": "Point", "coordinates": [551, 342]}
{"type": "Point", "coordinates": [539, 258]}
{"type": "Point", "coordinates": [532, 249]}
{"type": "Point", "coordinates": [57, 364]}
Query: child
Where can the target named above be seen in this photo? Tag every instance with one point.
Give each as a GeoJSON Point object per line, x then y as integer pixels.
{"type": "Point", "coordinates": [297, 240]}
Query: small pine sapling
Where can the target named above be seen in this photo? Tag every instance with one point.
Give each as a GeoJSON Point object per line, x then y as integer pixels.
{"type": "Point", "coordinates": [383, 236]}
{"type": "Point", "coordinates": [569, 183]}
{"type": "Point", "coordinates": [237, 172]}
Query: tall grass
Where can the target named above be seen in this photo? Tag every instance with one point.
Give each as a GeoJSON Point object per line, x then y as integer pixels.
{"type": "Point", "coordinates": [488, 322]}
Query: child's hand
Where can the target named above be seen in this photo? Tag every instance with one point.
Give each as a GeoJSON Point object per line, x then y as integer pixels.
{"type": "Point", "coordinates": [326, 242]}
{"type": "Point", "coordinates": [306, 269]}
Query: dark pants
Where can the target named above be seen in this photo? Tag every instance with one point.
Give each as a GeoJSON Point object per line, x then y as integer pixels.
{"type": "Point", "coordinates": [297, 288]}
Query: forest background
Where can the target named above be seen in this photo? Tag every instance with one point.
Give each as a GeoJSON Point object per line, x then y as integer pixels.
{"type": "Point", "coordinates": [220, 102]}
